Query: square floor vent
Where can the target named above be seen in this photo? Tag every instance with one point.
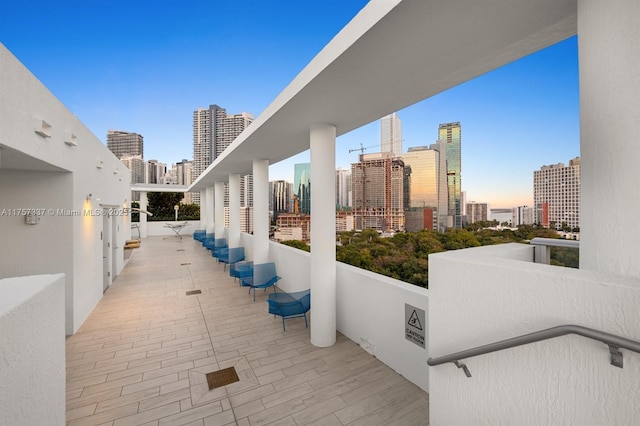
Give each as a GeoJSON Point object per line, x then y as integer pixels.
{"type": "Point", "coordinates": [222, 378]}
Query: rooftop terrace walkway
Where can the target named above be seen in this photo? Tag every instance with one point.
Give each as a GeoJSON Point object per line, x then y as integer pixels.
{"type": "Point", "coordinates": [143, 354]}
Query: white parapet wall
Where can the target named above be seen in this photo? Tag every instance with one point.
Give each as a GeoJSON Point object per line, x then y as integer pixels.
{"type": "Point", "coordinates": [487, 294]}
{"type": "Point", "coordinates": [371, 310]}
{"type": "Point", "coordinates": [377, 312]}
{"type": "Point", "coordinates": [32, 350]}
{"type": "Point", "coordinates": [162, 229]}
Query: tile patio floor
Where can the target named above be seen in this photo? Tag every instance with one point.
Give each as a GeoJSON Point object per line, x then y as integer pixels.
{"type": "Point", "coordinates": [142, 355]}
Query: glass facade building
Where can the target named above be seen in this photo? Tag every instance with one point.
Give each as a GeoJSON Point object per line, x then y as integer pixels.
{"type": "Point", "coordinates": [302, 188]}
{"type": "Point", "coordinates": [391, 134]}
{"type": "Point", "coordinates": [424, 163]}
{"type": "Point", "coordinates": [450, 133]}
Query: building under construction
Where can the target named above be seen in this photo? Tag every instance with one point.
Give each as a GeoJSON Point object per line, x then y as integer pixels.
{"type": "Point", "coordinates": [379, 185]}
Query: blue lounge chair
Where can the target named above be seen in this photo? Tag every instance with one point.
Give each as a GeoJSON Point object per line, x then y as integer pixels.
{"type": "Point", "coordinates": [208, 241]}
{"type": "Point", "coordinates": [199, 234]}
{"type": "Point", "coordinates": [290, 305]}
{"type": "Point", "coordinates": [264, 276]}
{"type": "Point", "coordinates": [232, 256]}
{"type": "Point", "coordinates": [241, 270]}
{"type": "Point", "coordinates": [219, 244]}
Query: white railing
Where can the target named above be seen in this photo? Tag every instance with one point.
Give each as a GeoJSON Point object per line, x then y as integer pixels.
{"type": "Point", "coordinates": [542, 248]}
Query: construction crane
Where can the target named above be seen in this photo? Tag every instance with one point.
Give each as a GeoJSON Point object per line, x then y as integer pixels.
{"type": "Point", "coordinates": [362, 148]}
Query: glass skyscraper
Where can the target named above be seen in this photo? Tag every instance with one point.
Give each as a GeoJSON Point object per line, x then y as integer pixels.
{"type": "Point", "coordinates": [426, 184]}
{"type": "Point", "coordinates": [302, 188]}
{"type": "Point", "coordinates": [450, 133]}
{"type": "Point", "coordinates": [391, 134]}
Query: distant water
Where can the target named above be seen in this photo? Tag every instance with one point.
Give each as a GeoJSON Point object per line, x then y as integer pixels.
{"type": "Point", "coordinates": [501, 215]}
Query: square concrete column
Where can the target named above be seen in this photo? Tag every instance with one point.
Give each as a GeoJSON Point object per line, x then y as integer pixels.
{"type": "Point", "coordinates": [260, 211]}
{"type": "Point", "coordinates": [218, 208]}
{"type": "Point", "coordinates": [323, 235]}
{"type": "Point", "coordinates": [234, 210]}
{"type": "Point", "coordinates": [208, 208]}
{"type": "Point", "coordinates": [609, 56]}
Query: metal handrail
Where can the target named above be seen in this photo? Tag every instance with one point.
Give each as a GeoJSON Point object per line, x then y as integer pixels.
{"type": "Point", "coordinates": [555, 242]}
{"type": "Point", "coordinates": [614, 342]}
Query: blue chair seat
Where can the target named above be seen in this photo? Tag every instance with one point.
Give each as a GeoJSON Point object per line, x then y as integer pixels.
{"type": "Point", "coordinates": [209, 242]}
{"type": "Point", "coordinates": [199, 234]}
{"type": "Point", "coordinates": [219, 244]}
{"type": "Point", "coordinates": [264, 276]}
{"type": "Point", "coordinates": [290, 305]}
{"type": "Point", "coordinates": [233, 255]}
{"type": "Point", "coordinates": [241, 270]}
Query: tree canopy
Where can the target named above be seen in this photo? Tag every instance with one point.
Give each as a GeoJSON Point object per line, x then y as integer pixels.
{"type": "Point", "coordinates": [405, 256]}
{"type": "Point", "coordinates": [161, 204]}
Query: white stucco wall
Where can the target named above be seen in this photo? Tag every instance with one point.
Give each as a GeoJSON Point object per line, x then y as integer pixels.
{"type": "Point", "coordinates": [32, 354]}
{"type": "Point", "coordinates": [608, 34]}
{"type": "Point", "coordinates": [69, 244]}
{"type": "Point", "coordinates": [370, 310]}
{"type": "Point", "coordinates": [293, 265]}
{"type": "Point", "coordinates": [246, 240]}
{"type": "Point", "coordinates": [481, 295]}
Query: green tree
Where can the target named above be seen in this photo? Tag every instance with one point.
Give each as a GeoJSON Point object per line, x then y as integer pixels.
{"type": "Point", "coordinates": [161, 204]}
{"type": "Point", "coordinates": [189, 212]}
{"type": "Point", "coordinates": [297, 244]}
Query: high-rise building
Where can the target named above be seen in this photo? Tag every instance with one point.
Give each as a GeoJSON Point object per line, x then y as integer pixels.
{"type": "Point", "coordinates": [125, 144]}
{"type": "Point", "coordinates": [302, 188]}
{"type": "Point", "coordinates": [378, 183]}
{"type": "Point", "coordinates": [292, 226]}
{"type": "Point", "coordinates": [281, 197]}
{"type": "Point", "coordinates": [137, 166]}
{"type": "Point", "coordinates": [556, 195]}
{"type": "Point", "coordinates": [391, 134]}
{"type": "Point", "coordinates": [451, 134]}
{"type": "Point", "coordinates": [246, 220]}
{"type": "Point", "coordinates": [477, 212]}
{"type": "Point", "coordinates": [246, 191]}
{"type": "Point", "coordinates": [522, 215]}
{"type": "Point", "coordinates": [155, 171]}
{"type": "Point", "coordinates": [246, 204]}
{"type": "Point", "coordinates": [343, 189]}
{"type": "Point", "coordinates": [184, 176]}
{"type": "Point", "coordinates": [425, 187]}
{"type": "Point", "coordinates": [184, 170]}
{"type": "Point", "coordinates": [171, 177]}
{"type": "Point", "coordinates": [213, 131]}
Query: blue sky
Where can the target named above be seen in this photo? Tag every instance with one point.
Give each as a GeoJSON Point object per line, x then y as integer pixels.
{"type": "Point", "coordinates": [145, 66]}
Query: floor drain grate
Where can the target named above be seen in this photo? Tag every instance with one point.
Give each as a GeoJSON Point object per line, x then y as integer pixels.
{"type": "Point", "coordinates": [185, 264]}
{"type": "Point", "coordinates": [222, 378]}
{"type": "Point", "coordinates": [180, 250]}
{"type": "Point", "coordinates": [190, 292]}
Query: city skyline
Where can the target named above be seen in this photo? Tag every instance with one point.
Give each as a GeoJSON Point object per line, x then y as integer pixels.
{"type": "Point", "coordinates": [149, 78]}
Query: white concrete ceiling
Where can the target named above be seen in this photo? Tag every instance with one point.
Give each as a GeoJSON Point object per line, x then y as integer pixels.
{"type": "Point", "coordinates": [393, 54]}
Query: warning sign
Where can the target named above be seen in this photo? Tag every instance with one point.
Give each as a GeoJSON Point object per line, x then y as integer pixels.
{"type": "Point", "coordinates": [414, 324]}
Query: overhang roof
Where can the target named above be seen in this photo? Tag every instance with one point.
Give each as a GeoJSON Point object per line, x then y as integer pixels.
{"type": "Point", "coordinates": [157, 187]}
{"type": "Point", "coordinates": [393, 54]}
